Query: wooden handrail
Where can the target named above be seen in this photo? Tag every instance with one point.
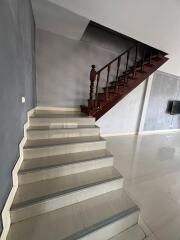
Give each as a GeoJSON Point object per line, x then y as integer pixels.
{"type": "Point", "coordinates": [95, 95]}
{"type": "Point", "coordinates": [129, 49]}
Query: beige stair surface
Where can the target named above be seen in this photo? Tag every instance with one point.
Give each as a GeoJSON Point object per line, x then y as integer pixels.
{"type": "Point", "coordinates": [51, 147]}
{"type": "Point", "coordinates": [132, 233]}
{"type": "Point", "coordinates": [43, 196]}
{"type": "Point", "coordinates": [61, 120]}
{"type": "Point", "coordinates": [41, 112]}
{"type": "Point", "coordinates": [50, 110]}
{"type": "Point", "coordinates": [68, 187]}
{"type": "Point", "coordinates": [34, 170]}
{"type": "Point", "coordinates": [47, 133]}
{"type": "Point", "coordinates": [59, 141]}
{"type": "Point", "coordinates": [65, 159]}
{"type": "Point", "coordinates": [107, 215]}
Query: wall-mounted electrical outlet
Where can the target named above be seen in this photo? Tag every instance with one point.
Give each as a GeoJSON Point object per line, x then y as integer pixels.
{"type": "Point", "coordinates": [23, 99]}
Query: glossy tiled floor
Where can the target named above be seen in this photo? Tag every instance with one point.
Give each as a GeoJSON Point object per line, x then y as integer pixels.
{"type": "Point", "coordinates": [151, 167]}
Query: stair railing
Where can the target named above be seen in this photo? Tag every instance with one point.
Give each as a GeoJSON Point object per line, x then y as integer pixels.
{"type": "Point", "coordinates": [131, 54]}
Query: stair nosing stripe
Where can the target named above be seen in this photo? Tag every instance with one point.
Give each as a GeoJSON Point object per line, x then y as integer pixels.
{"type": "Point", "coordinates": [102, 223]}
{"type": "Point", "coordinates": [61, 144]}
{"type": "Point", "coordinates": [67, 118]}
{"type": "Point", "coordinates": [31, 170]}
{"type": "Point", "coordinates": [58, 194]}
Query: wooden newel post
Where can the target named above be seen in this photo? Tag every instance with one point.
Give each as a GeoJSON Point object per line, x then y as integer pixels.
{"type": "Point", "coordinates": [92, 80]}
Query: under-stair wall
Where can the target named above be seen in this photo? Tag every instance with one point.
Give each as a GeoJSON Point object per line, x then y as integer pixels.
{"type": "Point", "coordinates": [125, 116]}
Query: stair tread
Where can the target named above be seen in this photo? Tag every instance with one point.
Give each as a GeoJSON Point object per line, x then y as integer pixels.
{"type": "Point", "coordinates": [76, 220]}
{"type": "Point", "coordinates": [60, 115]}
{"type": "Point", "coordinates": [40, 110]}
{"type": "Point", "coordinates": [132, 233]}
{"type": "Point", "coordinates": [29, 193]}
{"type": "Point", "coordinates": [64, 159]}
{"type": "Point", "coordinates": [75, 127]}
{"type": "Point", "coordinates": [58, 141]}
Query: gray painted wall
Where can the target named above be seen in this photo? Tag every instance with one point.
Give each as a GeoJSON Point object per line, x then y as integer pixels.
{"type": "Point", "coordinates": [17, 79]}
{"type": "Point", "coordinates": [63, 65]}
{"type": "Point", "coordinates": [165, 87]}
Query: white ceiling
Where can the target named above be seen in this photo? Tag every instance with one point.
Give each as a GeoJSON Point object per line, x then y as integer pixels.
{"type": "Point", "coordinates": [53, 18]}
{"type": "Point", "coordinates": [154, 22]}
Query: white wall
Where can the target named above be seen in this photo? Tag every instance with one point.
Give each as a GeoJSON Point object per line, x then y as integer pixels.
{"type": "Point", "coordinates": [56, 19]}
{"type": "Point", "coordinates": [155, 22]}
{"type": "Point", "coordinates": [125, 116]}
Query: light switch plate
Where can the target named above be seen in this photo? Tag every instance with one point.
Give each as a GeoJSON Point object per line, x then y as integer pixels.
{"type": "Point", "coordinates": [23, 99]}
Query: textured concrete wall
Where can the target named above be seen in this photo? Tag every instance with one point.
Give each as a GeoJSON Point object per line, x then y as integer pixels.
{"type": "Point", "coordinates": [63, 65]}
{"type": "Point", "coordinates": [165, 87]}
{"type": "Point", "coordinates": [17, 79]}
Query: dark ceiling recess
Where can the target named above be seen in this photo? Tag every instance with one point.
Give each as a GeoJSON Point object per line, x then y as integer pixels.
{"type": "Point", "coordinates": [117, 34]}
{"type": "Point", "coordinates": [111, 31]}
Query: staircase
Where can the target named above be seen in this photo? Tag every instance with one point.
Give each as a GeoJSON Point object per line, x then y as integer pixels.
{"type": "Point", "coordinates": [119, 77]}
{"type": "Point", "coordinates": [68, 188]}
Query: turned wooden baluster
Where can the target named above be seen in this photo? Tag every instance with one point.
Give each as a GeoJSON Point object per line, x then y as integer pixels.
{"type": "Point", "coordinates": [135, 61]}
{"type": "Point", "coordinates": [97, 85]}
{"type": "Point", "coordinates": [150, 57]}
{"type": "Point", "coordinates": [107, 82]}
{"type": "Point", "coordinates": [126, 71]}
{"type": "Point", "coordinates": [92, 80]}
{"type": "Point", "coordinates": [117, 73]}
{"type": "Point", "coordinates": [143, 58]}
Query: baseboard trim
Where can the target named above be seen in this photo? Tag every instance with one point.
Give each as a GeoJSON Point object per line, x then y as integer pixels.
{"type": "Point", "coordinates": [141, 133]}
{"type": "Point", "coordinates": [118, 134]}
{"type": "Point", "coordinates": [149, 234]}
{"type": "Point", "coordinates": [6, 220]}
{"type": "Point", "coordinates": [73, 109]}
{"type": "Point", "coordinates": [165, 131]}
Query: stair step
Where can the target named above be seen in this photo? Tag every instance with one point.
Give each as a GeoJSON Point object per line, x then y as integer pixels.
{"type": "Point", "coordinates": [64, 159]}
{"type": "Point", "coordinates": [120, 84]}
{"type": "Point", "coordinates": [132, 233]}
{"type": "Point", "coordinates": [100, 217]}
{"type": "Point", "coordinates": [120, 88]}
{"type": "Point", "coordinates": [61, 121]}
{"type": "Point", "coordinates": [102, 96]}
{"type": "Point", "coordinates": [68, 111]}
{"type": "Point", "coordinates": [51, 147]}
{"type": "Point", "coordinates": [44, 196]}
{"type": "Point", "coordinates": [47, 133]}
{"type": "Point", "coordinates": [47, 168]}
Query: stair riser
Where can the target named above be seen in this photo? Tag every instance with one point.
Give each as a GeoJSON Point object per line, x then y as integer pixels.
{"type": "Point", "coordinates": [63, 149]}
{"type": "Point", "coordinates": [64, 133]}
{"type": "Point", "coordinates": [64, 170]}
{"type": "Point", "coordinates": [64, 111]}
{"type": "Point", "coordinates": [62, 122]}
{"type": "Point", "coordinates": [110, 230]}
{"type": "Point", "coordinates": [64, 200]}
